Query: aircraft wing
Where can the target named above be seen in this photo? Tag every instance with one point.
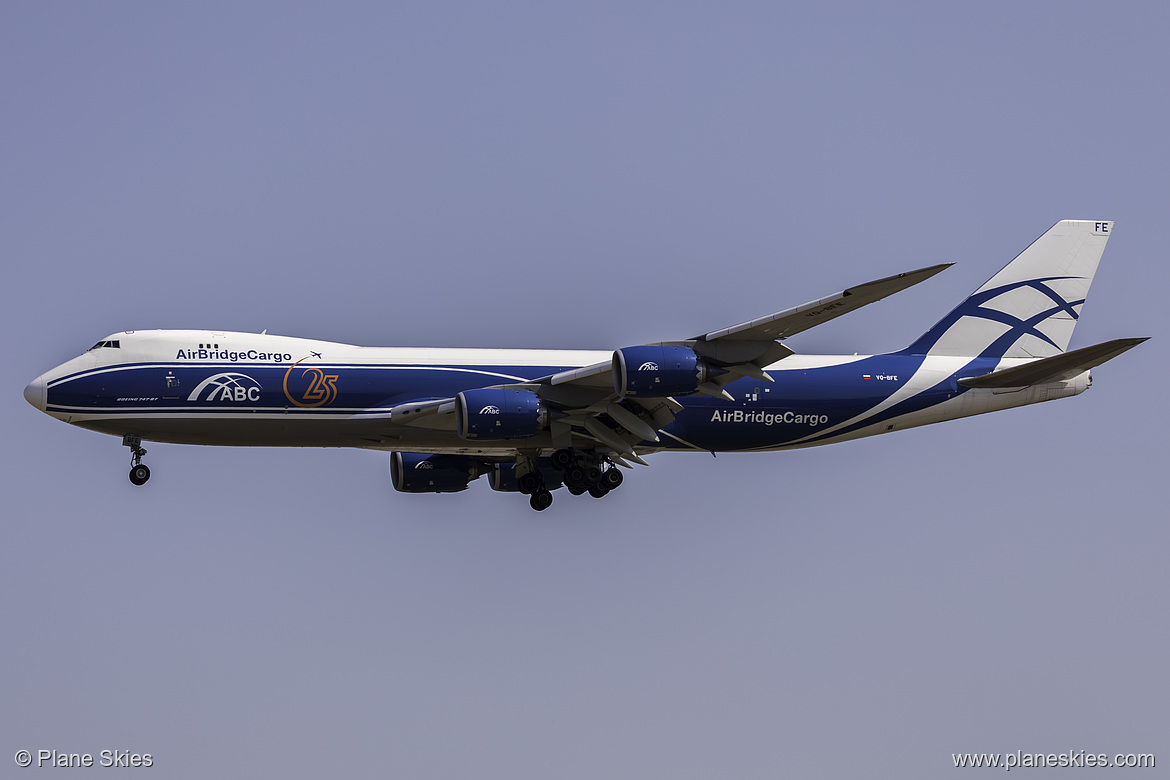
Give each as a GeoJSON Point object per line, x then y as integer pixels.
{"type": "Point", "coordinates": [789, 322]}
{"type": "Point", "coordinates": [585, 403]}
{"type": "Point", "coordinates": [744, 349]}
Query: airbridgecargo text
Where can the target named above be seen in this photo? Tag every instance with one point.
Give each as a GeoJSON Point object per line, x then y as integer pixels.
{"type": "Point", "coordinates": [769, 418]}
{"type": "Point", "coordinates": [233, 357]}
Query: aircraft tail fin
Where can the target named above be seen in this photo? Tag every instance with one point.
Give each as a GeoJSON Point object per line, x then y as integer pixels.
{"type": "Point", "coordinates": [1029, 308]}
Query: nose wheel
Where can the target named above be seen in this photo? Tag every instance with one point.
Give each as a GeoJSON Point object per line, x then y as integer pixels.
{"type": "Point", "coordinates": [139, 473]}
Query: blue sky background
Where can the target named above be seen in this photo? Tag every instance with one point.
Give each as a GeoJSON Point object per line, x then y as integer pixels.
{"type": "Point", "coordinates": [593, 176]}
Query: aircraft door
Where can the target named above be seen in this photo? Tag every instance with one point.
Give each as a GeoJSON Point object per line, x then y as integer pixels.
{"type": "Point", "coordinates": [170, 384]}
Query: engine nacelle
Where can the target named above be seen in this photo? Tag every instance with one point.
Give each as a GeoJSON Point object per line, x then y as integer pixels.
{"type": "Point", "coordinates": [654, 372]}
{"type": "Point", "coordinates": [416, 472]}
{"type": "Point", "coordinates": [495, 414]}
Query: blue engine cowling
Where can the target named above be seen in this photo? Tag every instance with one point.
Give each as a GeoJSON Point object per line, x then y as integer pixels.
{"type": "Point", "coordinates": [653, 372]}
{"type": "Point", "coordinates": [495, 414]}
{"type": "Point", "coordinates": [416, 472]}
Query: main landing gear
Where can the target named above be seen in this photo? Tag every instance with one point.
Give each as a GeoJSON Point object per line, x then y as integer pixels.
{"type": "Point", "coordinates": [586, 472]}
{"type": "Point", "coordinates": [139, 473]}
{"type": "Point", "coordinates": [532, 485]}
{"type": "Point", "coordinates": [581, 471]}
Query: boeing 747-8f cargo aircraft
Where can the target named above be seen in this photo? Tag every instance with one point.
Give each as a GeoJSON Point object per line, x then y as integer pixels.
{"type": "Point", "coordinates": [534, 421]}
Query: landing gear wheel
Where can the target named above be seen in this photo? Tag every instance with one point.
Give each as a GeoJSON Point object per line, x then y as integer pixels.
{"type": "Point", "coordinates": [592, 475]}
{"type": "Point", "coordinates": [575, 476]}
{"type": "Point", "coordinates": [138, 472]}
{"type": "Point", "coordinates": [540, 500]}
{"type": "Point", "coordinates": [598, 491]}
{"type": "Point", "coordinates": [612, 479]}
{"type": "Point", "coordinates": [530, 483]}
{"type": "Point", "coordinates": [561, 459]}
{"type": "Point", "coordinates": [577, 490]}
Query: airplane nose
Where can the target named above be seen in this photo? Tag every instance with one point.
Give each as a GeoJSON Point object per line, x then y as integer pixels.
{"type": "Point", "coordinates": [34, 393]}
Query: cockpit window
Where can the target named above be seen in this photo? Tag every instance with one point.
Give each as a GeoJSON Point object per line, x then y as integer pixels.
{"type": "Point", "coordinates": [115, 344]}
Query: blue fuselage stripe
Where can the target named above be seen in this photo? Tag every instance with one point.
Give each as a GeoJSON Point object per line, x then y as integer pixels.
{"type": "Point", "coordinates": [803, 405]}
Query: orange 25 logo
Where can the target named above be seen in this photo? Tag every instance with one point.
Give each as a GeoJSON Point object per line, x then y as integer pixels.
{"type": "Point", "coordinates": [321, 389]}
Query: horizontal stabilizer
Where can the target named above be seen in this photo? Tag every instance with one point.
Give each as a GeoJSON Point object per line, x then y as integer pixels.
{"type": "Point", "coordinates": [1056, 368]}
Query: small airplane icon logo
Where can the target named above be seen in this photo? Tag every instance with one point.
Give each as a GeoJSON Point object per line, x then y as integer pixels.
{"type": "Point", "coordinates": [314, 354]}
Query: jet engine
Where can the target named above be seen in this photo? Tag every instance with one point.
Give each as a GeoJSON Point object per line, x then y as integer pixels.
{"type": "Point", "coordinates": [416, 472]}
{"type": "Point", "coordinates": [655, 371]}
{"type": "Point", "coordinates": [494, 414]}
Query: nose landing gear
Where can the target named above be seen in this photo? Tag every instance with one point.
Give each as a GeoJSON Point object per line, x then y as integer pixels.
{"type": "Point", "coordinates": [139, 473]}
